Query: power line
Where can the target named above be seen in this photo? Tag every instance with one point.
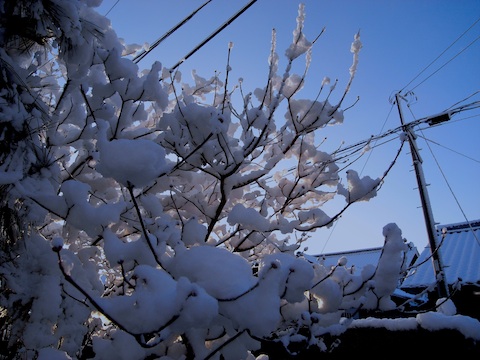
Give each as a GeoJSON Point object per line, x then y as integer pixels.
{"type": "Point", "coordinates": [443, 52]}
{"type": "Point", "coordinates": [215, 33]}
{"type": "Point", "coordinates": [157, 42]}
{"type": "Point", "coordinates": [449, 187]}
{"type": "Point", "coordinates": [350, 150]}
{"type": "Point", "coordinates": [108, 12]}
{"type": "Point", "coordinates": [381, 130]}
{"type": "Point", "coordinates": [447, 148]}
{"type": "Point", "coordinates": [456, 110]}
{"type": "Point", "coordinates": [453, 110]}
{"type": "Point", "coordinates": [446, 63]}
{"type": "Point", "coordinates": [465, 99]}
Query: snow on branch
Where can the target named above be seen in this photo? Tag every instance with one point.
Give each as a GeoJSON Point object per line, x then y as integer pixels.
{"type": "Point", "coordinates": [174, 218]}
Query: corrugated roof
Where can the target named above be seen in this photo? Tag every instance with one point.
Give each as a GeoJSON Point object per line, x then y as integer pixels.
{"type": "Point", "coordinates": [459, 253]}
{"type": "Point", "coordinates": [357, 258]}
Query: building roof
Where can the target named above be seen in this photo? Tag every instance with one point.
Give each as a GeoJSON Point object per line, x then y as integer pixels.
{"type": "Point", "coordinates": [356, 258]}
{"type": "Point", "coordinates": [459, 253]}
{"type": "Point", "coordinates": [359, 258]}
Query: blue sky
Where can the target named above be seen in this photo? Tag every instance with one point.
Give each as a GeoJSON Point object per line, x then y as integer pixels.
{"type": "Point", "coordinates": [401, 39]}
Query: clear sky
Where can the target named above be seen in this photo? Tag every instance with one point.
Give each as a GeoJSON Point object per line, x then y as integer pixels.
{"type": "Point", "coordinates": [430, 48]}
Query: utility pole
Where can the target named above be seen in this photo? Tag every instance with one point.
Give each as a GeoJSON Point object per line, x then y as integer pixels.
{"type": "Point", "coordinates": [442, 286]}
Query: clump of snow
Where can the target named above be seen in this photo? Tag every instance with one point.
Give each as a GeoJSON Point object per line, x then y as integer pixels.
{"type": "Point", "coordinates": [52, 354]}
{"type": "Point", "coordinates": [296, 275]}
{"type": "Point", "coordinates": [315, 217]}
{"type": "Point", "coordinates": [446, 306]}
{"type": "Point", "coordinates": [193, 232]}
{"type": "Point", "coordinates": [389, 267]}
{"type": "Point", "coordinates": [199, 309]}
{"type": "Point", "coordinates": [233, 275]}
{"type": "Point", "coordinates": [127, 253]}
{"type": "Point", "coordinates": [9, 177]}
{"type": "Point", "coordinates": [359, 189]}
{"type": "Point", "coordinates": [57, 243]}
{"type": "Point", "coordinates": [434, 321]}
{"type": "Point", "coordinates": [235, 287]}
{"type": "Point", "coordinates": [263, 318]}
{"type": "Point", "coordinates": [327, 292]}
{"type": "Point", "coordinates": [248, 217]}
{"type": "Point", "coordinates": [185, 303]}
{"type": "Point", "coordinates": [300, 44]}
{"type": "Point", "coordinates": [118, 346]}
{"type": "Point", "coordinates": [342, 261]}
{"type": "Point", "coordinates": [355, 49]}
{"type": "Point", "coordinates": [137, 162]}
{"type": "Point", "coordinates": [85, 216]}
{"type": "Point", "coordinates": [311, 115]}
{"type": "Point", "coordinates": [292, 84]}
{"type": "Point", "coordinates": [389, 324]}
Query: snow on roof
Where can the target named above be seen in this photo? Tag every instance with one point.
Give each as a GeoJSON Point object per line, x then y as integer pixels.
{"type": "Point", "coordinates": [459, 253]}
{"type": "Point", "coordinates": [357, 258]}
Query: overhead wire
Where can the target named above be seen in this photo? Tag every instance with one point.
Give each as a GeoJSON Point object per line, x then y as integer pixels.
{"type": "Point", "coordinates": [157, 42]}
{"type": "Point", "coordinates": [469, 106]}
{"type": "Point", "coordinates": [361, 172]}
{"type": "Point", "coordinates": [352, 148]}
{"type": "Point", "coordinates": [451, 190]}
{"type": "Point", "coordinates": [465, 99]}
{"type": "Point", "coordinates": [108, 12]}
{"type": "Point", "coordinates": [447, 148]}
{"type": "Point", "coordinates": [452, 121]}
{"type": "Point", "coordinates": [439, 56]}
{"type": "Point", "coordinates": [213, 34]}
{"type": "Point", "coordinates": [446, 180]}
{"type": "Point", "coordinates": [144, 53]}
{"type": "Point", "coordinates": [356, 146]}
{"type": "Point", "coordinates": [381, 130]}
{"type": "Point", "coordinates": [445, 64]}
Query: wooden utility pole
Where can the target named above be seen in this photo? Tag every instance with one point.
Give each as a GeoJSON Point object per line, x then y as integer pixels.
{"type": "Point", "coordinates": [442, 286]}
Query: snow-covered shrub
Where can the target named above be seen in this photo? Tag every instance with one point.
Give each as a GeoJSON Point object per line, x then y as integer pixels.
{"type": "Point", "coordinates": [173, 224]}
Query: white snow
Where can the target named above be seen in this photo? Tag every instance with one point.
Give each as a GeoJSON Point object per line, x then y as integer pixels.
{"type": "Point", "coordinates": [147, 271]}
{"type": "Point", "coordinates": [193, 232]}
{"type": "Point", "coordinates": [300, 44]}
{"type": "Point", "coordinates": [232, 274]}
{"type": "Point", "coordinates": [466, 325]}
{"type": "Point", "coordinates": [52, 354]}
{"type": "Point", "coordinates": [83, 215]}
{"type": "Point", "coordinates": [249, 218]}
{"type": "Point", "coordinates": [137, 162]}
{"type": "Point", "coordinates": [359, 189]}
{"type": "Point", "coordinates": [432, 321]}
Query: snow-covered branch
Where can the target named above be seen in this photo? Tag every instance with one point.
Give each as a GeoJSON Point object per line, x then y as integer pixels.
{"type": "Point", "coordinates": [179, 215]}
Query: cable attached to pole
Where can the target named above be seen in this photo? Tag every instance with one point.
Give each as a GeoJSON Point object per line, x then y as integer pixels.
{"type": "Point", "coordinates": [442, 284]}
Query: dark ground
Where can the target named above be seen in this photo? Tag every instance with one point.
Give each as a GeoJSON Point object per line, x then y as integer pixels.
{"type": "Point", "coordinates": [382, 343]}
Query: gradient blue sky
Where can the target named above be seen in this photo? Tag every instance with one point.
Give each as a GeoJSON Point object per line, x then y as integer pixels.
{"type": "Point", "coordinates": [401, 38]}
